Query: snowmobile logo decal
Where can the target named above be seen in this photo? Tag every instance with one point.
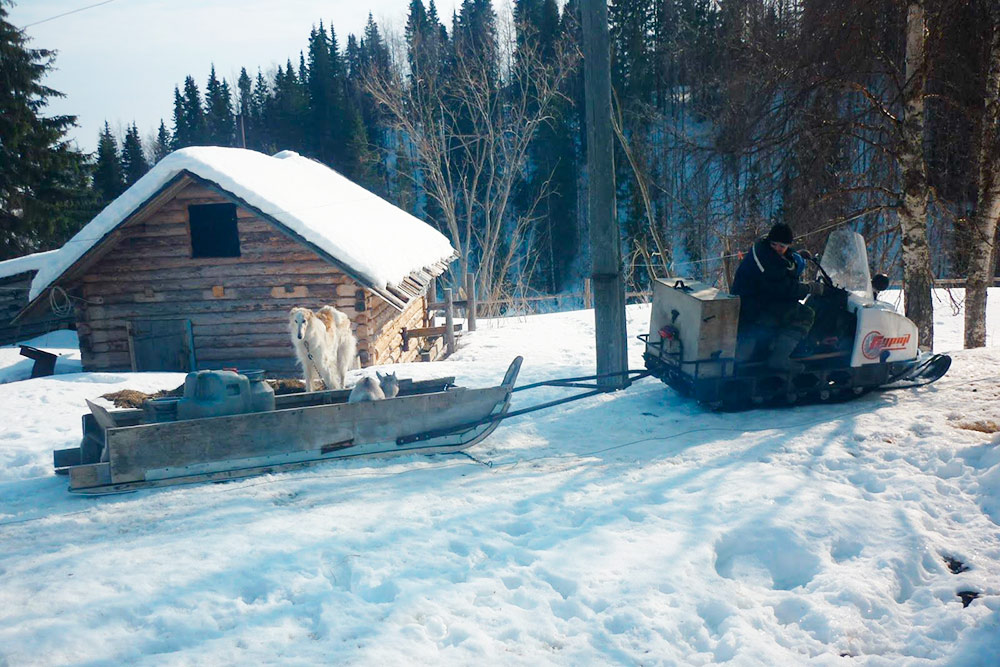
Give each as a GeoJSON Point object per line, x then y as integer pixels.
{"type": "Point", "coordinates": [875, 343]}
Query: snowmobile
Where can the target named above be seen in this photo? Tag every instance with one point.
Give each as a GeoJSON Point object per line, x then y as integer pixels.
{"type": "Point", "coordinates": [857, 343]}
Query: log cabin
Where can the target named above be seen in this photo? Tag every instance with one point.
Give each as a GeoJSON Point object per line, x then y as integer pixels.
{"type": "Point", "coordinates": [198, 263]}
{"type": "Point", "coordinates": [15, 282]}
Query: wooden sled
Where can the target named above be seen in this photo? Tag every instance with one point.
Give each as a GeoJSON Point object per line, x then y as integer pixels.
{"type": "Point", "coordinates": [118, 453]}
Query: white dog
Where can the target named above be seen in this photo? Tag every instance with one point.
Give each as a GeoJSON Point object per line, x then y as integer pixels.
{"type": "Point", "coordinates": [324, 345]}
{"type": "Point", "coordinates": [370, 389]}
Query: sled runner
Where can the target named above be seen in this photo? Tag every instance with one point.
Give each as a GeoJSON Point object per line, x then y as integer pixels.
{"type": "Point", "coordinates": [857, 343]}
{"type": "Point", "coordinates": [124, 450]}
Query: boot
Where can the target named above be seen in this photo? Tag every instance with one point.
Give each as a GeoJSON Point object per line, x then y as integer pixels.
{"type": "Point", "coordinates": [781, 351]}
{"type": "Point", "coordinates": [745, 348]}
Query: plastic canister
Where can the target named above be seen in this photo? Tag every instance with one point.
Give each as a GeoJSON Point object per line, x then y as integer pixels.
{"type": "Point", "coordinates": [214, 394]}
{"type": "Point", "coordinates": [261, 393]}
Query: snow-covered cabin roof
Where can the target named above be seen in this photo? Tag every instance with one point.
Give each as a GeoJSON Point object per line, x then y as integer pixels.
{"type": "Point", "coordinates": [12, 267]}
{"type": "Point", "coordinates": [378, 243]}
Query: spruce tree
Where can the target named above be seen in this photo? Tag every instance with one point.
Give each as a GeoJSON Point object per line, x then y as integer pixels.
{"type": "Point", "coordinates": [220, 124]}
{"type": "Point", "coordinates": [526, 13]}
{"type": "Point", "coordinates": [194, 116]}
{"type": "Point", "coordinates": [359, 160]}
{"type": "Point", "coordinates": [109, 182]}
{"type": "Point", "coordinates": [322, 103]}
{"type": "Point", "coordinates": [181, 132]}
{"type": "Point", "coordinates": [288, 110]}
{"type": "Point", "coordinates": [43, 192]}
{"type": "Point", "coordinates": [630, 23]}
{"type": "Point", "coordinates": [260, 101]}
{"type": "Point", "coordinates": [375, 47]}
{"type": "Point", "coordinates": [134, 163]}
{"type": "Point", "coordinates": [416, 36]}
{"type": "Point", "coordinates": [342, 116]}
{"type": "Point", "coordinates": [244, 103]}
{"type": "Point", "coordinates": [352, 59]}
{"type": "Point", "coordinates": [278, 101]}
{"type": "Point", "coordinates": [372, 60]}
{"type": "Point", "coordinates": [161, 146]}
{"type": "Point", "coordinates": [552, 154]}
{"type": "Point", "coordinates": [475, 34]}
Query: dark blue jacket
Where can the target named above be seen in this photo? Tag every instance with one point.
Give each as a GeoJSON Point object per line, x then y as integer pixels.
{"type": "Point", "coordinates": [766, 278]}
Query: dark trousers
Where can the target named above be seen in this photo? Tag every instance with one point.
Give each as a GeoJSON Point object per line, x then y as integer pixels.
{"type": "Point", "coordinates": [795, 318]}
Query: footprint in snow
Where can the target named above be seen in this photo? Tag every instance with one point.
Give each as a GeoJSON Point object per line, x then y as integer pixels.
{"type": "Point", "coordinates": [844, 550]}
{"type": "Point", "coordinates": [512, 583]}
{"type": "Point", "coordinates": [517, 528]}
{"type": "Point", "coordinates": [765, 556]}
{"type": "Point", "coordinates": [384, 593]}
{"type": "Point", "coordinates": [867, 481]}
{"type": "Point", "coordinates": [561, 585]}
{"type": "Point", "coordinates": [458, 548]}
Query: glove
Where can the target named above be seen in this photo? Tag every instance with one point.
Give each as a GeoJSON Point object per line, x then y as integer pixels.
{"type": "Point", "coordinates": [817, 288]}
{"type": "Point", "coordinates": [800, 263]}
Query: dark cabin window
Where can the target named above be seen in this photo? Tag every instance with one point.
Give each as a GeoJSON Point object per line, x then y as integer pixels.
{"type": "Point", "coordinates": [213, 230]}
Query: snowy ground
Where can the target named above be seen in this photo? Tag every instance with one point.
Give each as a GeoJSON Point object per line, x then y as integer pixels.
{"type": "Point", "coordinates": [14, 367]}
{"type": "Point", "coordinates": [628, 528]}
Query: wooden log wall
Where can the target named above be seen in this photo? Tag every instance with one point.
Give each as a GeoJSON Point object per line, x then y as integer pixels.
{"type": "Point", "coordinates": [238, 306]}
{"type": "Point", "coordinates": [384, 331]}
{"type": "Point", "coordinates": [13, 295]}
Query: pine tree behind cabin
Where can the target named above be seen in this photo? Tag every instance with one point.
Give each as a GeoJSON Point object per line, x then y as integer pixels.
{"type": "Point", "coordinates": [179, 123]}
{"type": "Point", "coordinates": [555, 235]}
{"type": "Point", "coordinates": [134, 163]}
{"type": "Point", "coordinates": [321, 84]}
{"type": "Point", "coordinates": [220, 123]}
{"type": "Point", "coordinates": [374, 52]}
{"type": "Point", "coordinates": [244, 103]}
{"type": "Point", "coordinates": [162, 143]}
{"type": "Point", "coordinates": [288, 109]}
{"type": "Point", "coordinates": [109, 182]}
{"type": "Point", "coordinates": [189, 117]}
{"type": "Point", "coordinates": [43, 182]}
{"type": "Point", "coordinates": [260, 137]}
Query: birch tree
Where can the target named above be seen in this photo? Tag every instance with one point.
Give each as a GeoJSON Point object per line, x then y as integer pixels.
{"type": "Point", "coordinates": [984, 222]}
{"type": "Point", "coordinates": [912, 213]}
{"type": "Point", "coordinates": [469, 135]}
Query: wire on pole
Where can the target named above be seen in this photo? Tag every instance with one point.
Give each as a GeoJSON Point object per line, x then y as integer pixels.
{"type": "Point", "coordinates": [72, 11]}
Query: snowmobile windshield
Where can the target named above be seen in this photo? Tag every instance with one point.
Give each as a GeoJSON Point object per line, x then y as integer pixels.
{"type": "Point", "coordinates": [846, 261]}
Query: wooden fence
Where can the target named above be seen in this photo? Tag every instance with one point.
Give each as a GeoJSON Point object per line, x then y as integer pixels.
{"type": "Point", "coordinates": [472, 306]}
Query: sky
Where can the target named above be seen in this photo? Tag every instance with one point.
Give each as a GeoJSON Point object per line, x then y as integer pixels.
{"type": "Point", "coordinates": [630, 528]}
{"type": "Point", "coordinates": [120, 61]}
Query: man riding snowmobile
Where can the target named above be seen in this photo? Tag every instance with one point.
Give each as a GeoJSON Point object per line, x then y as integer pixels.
{"type": "Point", "coordinates": [731, 350]}
{"type": "Point", "coordinates": [767, 282]}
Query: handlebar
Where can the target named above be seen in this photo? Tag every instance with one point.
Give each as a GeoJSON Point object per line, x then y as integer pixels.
{"type": "Point", "coordinates": [824, 276]}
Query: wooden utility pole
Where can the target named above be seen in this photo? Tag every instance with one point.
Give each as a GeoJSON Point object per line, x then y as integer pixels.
{"type": "Point", "coordinates": [605, 242]}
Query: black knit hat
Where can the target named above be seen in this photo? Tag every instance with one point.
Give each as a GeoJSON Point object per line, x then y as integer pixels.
{"type": "Point", "coordinates": [781, 233]}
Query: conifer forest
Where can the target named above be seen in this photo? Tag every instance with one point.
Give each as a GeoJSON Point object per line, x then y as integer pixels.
{"type": "Point", "coordinates": [729, 116]}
